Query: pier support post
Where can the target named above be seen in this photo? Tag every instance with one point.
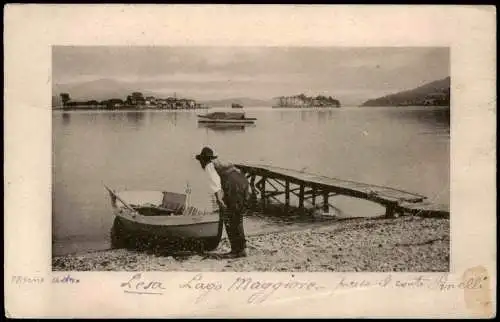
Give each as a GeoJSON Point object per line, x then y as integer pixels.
{"type": "Point", "coordinates": [313, 197]}
{"type": "Point", "coordinates": [287, 195]}
{"type": "Point", "coordinates": [263, 192]}
{"type": "Point", "coordinates": [390, 210]}
{"type": "Point", "coordinates": [301, 197]}
{"type": "Point", "coordinates": [326, 207]}
{"type": "Point", "coordinates": [254, 190]}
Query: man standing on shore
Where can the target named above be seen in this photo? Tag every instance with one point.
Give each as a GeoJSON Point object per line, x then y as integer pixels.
{"type": "Point", "coordinates": [231, 190]}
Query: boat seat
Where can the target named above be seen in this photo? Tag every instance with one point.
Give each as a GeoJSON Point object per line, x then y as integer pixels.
{"type": "Point", "coordinates": [174, 201]}
{"type": "Point", "coordinates": [193, 211]}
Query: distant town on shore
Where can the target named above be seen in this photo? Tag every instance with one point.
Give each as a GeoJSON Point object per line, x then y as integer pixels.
{"type": "Point", "coordinates": [134, 101]}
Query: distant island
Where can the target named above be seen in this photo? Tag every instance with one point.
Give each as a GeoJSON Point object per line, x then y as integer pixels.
{"type": "Point", "coordinates": [303, 101]}
{"type": "Point", "coordinates": [134, 101]}
{"type": "Point", "coordinates": [436, 93]}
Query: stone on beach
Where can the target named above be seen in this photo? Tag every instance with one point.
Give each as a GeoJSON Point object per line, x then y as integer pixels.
{"type": "Point", "coordinates": [404, 244]}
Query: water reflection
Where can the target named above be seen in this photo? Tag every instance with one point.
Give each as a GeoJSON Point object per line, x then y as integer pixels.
{"type": "Point", "coordinates": [66, 118]}
{"type": "Point", "coordinates": [442, 117]}
{"type": "Point", "coordinates": [305, 115]}
{"type": "Point", "coordinates": [225, 127]}
{"type": "Point", "coordinates": [433, 120]}
{"type": "Point", "coordinates": [324, 115]}
{"type": "Point", "coordinates": [136, 118]}
{"type": "Point", "coordinates": [321, 115]}
{"type": "Point", "coordinates": [169, 117]}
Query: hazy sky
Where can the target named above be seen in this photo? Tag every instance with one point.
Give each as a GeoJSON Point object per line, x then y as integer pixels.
{"type": "Point", "coordinates": [350, 74]}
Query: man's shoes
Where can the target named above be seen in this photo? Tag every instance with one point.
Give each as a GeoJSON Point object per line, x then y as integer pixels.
{"type": "Point", "coordinates": [235, 254]}
{"type": "Point", "coordinates": [238, 254]}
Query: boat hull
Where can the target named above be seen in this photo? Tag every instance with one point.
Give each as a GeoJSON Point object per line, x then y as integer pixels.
{"type": "Point", "coordinates": [134, 233]}
{"type": "Point", "coordinates": [172, 227]}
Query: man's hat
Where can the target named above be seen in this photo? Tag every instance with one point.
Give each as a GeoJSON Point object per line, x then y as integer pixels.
{"type": "Point", "coordinates": [206, 154]}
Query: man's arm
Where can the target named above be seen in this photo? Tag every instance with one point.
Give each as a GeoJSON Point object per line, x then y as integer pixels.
{"type": "Point", "coordinates": [218, 197]}
{"type": "Point", "coordinates": [215, 184]}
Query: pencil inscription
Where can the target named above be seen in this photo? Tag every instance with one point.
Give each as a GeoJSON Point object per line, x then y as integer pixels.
{"type": "Point", "coordinates": [139, 285]}
{"type": "Point", "coordinates": [16, 279]}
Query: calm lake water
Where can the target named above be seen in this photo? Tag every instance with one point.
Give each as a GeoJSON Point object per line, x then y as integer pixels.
{"type": "Point", "coordinates": [406, 148]}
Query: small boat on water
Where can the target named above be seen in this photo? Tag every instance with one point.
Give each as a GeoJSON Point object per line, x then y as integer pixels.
{"type": "Point", "coordinates": [225, 117]}
{"type": "Point", "coordinates": [162, 217]}
{"type": "Point", "coordinates": [235, 105]}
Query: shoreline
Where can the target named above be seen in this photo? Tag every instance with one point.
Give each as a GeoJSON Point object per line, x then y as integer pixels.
{"type": "Point", "coordinates": [131, 108]}
{"type": "Point", "coordinates": [404, 244]}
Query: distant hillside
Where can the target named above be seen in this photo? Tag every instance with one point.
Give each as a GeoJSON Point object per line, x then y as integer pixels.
{"type": "Point", "coordinates": [435, 93]}
{"type": "Point", "coordinates": [245, 101]}
{"type": "Point", "coordinates": [101, 89]}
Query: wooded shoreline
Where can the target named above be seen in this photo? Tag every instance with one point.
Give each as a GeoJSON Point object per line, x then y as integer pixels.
{"type": "Point", "coordinates": [123, 108]}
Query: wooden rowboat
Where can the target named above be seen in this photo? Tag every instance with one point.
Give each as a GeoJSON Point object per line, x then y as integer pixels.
{"type": "Point", "coordinates": [164, 218]}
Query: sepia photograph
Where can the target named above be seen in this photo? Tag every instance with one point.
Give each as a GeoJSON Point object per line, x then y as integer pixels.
{"type": "Point", "coordinates": [328, 161]}
{"type": "Point", "coordinates": [308, 159]}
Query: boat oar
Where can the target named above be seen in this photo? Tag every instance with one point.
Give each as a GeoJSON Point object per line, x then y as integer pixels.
{"type": "Point", "coordinates": [120, 199]}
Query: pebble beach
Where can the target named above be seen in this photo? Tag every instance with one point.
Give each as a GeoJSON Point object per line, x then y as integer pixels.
{"type": "Point", "coordinates": [404, 244]}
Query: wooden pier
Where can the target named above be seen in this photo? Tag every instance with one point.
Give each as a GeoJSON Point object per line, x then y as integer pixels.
{"type": "Point", "coordinates": [269, 182]}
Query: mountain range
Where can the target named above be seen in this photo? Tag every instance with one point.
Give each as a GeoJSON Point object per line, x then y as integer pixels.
{"type": "Point", "coordinates": [433, 93]}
